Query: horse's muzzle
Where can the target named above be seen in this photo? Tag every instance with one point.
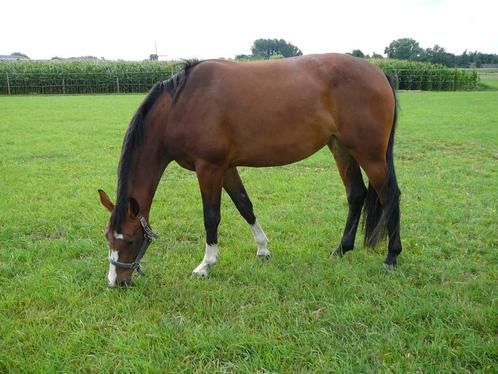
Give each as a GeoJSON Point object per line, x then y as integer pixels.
{"type": "Point", "coordinates": [125, 282]}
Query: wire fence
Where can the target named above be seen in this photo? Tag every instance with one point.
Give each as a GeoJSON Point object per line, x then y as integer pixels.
{"type": "Point", "coordinates": [489, 78]}
{"type": "Point", "coordinates": [434, 79]}
{"type": "Point", "coordinates": [18, 83]}
{"type": "Point", "coordinates": [79, 83]}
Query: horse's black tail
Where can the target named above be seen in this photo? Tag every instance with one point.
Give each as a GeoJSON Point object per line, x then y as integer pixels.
{"type": "Point", "coordinates": [377, 217]}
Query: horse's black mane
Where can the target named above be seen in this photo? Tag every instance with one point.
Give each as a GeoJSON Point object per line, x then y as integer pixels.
{"type": "Point", "coordinates": [135, 135]}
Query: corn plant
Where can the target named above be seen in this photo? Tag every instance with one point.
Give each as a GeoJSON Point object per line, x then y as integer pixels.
{"type": "Point", "coordinates": [411, 75]}
{"type": "Point", "coordinates": [81, 77]}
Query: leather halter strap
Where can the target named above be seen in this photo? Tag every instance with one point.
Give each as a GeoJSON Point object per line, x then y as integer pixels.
{"type": "Point", "coordinates": [148, 236]}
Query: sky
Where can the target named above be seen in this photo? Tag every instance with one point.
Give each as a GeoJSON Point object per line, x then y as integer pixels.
{"type": "Point", "coordinates": [130, 30]}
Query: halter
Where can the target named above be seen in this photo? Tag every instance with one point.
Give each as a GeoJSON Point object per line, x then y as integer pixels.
{"type": "Point", "coordinates": [148, 236]}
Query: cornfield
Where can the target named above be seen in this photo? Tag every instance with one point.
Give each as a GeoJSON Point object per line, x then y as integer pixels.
{"type": "Point", "coordinates": [410, 75]}
{"type": "Point", "coordinates": [81, 77]}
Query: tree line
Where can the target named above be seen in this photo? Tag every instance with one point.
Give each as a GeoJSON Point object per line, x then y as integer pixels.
{"type": "Point", "coordinates": [265, 49]}
{"type": "Point", "coordinates": [401, 49]}
{"type": "Point", "coordinates": [409, 49]}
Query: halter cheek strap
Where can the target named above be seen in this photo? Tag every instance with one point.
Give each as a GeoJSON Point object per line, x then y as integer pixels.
{"type": "Point", "coordinates": [148, 236]}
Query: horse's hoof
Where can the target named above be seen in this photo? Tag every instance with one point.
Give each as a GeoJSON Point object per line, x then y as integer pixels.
{"type": "Point", "coordinates": [340, 251]}
{"type": "Point", "coordinates": [264, 254]}
{"type": "Point", "coordinates": [264, 257]}
{"type": "Point", "coordinates": [201, 273]}
{"type": "Point", "coordinates": [390, 262]}
{"type": "Point", "coordinates": [337, 253]}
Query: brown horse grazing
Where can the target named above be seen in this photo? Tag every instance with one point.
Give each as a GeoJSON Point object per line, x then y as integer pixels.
{"type": "Point", "coordinates": [216, 115]}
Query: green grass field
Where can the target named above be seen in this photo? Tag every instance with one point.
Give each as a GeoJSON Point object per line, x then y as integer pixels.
{"type": "Point", "coordinates": [489, 78]}
{"type": "Point", "coordinates": [298, 312]}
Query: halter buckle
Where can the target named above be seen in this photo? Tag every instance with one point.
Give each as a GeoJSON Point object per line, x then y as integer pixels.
{"type": "Point", "coordinates": [140, 270]}
{"type": "Point", "coordinates": [147, 229]}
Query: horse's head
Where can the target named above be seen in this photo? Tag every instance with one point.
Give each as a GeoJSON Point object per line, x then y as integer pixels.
{"type": "Point", "coordinates": [126, 247]}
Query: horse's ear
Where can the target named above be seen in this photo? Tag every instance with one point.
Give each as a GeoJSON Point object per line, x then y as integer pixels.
{"type": "Point", "coordinates": [133, 207]}
{"type": "Point", "coordinates": [104, 199]}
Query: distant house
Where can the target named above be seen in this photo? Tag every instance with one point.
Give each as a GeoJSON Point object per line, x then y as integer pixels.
{"type": "Point", "coordinates": [13, 58]}
{"type": "Point", "coordinates": [81, 58]}
{"type": "Point", "coordinates": [473, 65]}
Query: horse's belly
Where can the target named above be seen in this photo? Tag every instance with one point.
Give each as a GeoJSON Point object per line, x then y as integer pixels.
{"type": "Point", "coordinates": [275, 157]}
{"type": "Point", "coordinates": [283, 146]}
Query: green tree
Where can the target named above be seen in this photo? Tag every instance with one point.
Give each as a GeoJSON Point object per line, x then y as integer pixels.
{"type": "Point", "coordinates": [357, 53]}
{"type": "Point", "coordinates": [243, 57]}
{"type": "Point", "coordinates": [477, 61]}
{"type": "Point", "coordinates": [266, 48]}
{"type": "Point", "coordinates": [438, 55]}
{"type": "Point", "coordinates": [463, 59]}
{"type": "Point", "coordinates": [19, 55]}
{"type": "Point", "coordinates": [404, 49]}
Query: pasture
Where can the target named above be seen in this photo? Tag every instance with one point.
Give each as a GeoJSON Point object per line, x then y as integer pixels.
{"type": "Point", "coordinates": [489, 78]}
{"type": "Point", "coordinates": [301, 311]}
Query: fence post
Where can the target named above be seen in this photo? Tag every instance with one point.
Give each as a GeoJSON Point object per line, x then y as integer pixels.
{"type": "Point", "coordinates": [117, 84]}
{"type": "Point", "coordinates": [63, 86]}
{"type": "Point", "coordinates": [8, 83]}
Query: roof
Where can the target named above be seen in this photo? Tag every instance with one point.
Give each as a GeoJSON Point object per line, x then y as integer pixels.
{"type": "Point", "coordinates": [12, 58]}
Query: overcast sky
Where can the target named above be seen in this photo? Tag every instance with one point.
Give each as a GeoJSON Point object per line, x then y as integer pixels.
{"type": "Point", "coordinates": [210, 29]}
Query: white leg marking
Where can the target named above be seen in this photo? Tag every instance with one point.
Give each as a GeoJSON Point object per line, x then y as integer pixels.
{"type": "Point", "coordinates": [261, 240]}
{"type": "Point", "coordinates": [210, 258]}
{"type": "Point", "coordinates": [112, 275]}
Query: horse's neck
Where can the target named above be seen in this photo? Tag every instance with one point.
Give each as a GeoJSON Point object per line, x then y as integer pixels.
{"type": "Point", "coordinates": [146, 174]}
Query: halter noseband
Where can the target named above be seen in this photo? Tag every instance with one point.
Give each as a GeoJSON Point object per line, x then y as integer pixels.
{"type": "Point", "coordinates": [148, 236]}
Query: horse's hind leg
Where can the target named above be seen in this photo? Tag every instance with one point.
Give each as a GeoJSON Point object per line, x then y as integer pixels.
{"type": "Point", "coordinates": [355, 190]}
{"type": "Point", "coordinates": [382, 206]}
{"type": "Point", "coordinates": [235, 189]}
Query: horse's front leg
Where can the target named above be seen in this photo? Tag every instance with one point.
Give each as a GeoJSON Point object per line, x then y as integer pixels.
{"type": "Point", "coordinates": [210, 182]}
{"type": "Point", "coordinates": [235, 189]}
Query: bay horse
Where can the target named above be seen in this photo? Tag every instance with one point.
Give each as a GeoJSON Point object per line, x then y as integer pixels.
{"type": "Point", "coordinates": [215, 115]}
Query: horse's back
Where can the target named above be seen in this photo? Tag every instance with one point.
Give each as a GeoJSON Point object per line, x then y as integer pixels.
{"type": "Point", "coordinates": [281, 111]}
